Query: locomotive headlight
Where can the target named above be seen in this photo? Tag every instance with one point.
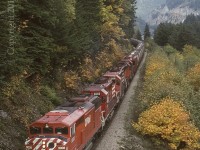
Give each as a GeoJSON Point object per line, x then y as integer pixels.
{"type": "Point", "coordinates": [61, 148]}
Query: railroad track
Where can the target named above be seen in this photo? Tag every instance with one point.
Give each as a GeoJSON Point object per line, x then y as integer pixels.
{"type": "Point", "coordinates": [114, 130]}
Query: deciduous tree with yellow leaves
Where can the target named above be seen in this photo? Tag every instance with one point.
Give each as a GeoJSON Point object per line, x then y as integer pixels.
{"type": "Point", "coordinates": [193, 76]}
{"type": "Point", "coordinates": [170, 121]}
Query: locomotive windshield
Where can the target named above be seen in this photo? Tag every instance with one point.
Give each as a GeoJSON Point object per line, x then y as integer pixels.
{"type": "Point", "coordinates": [35, 130]}
{"type": "Point", "coordinates": [48, 130]}
{"type": "Point", "coordinates": [61, 130]}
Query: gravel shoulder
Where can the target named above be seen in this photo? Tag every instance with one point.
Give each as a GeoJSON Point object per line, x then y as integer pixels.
{"type": "Point", "coordinates": [116, 130]}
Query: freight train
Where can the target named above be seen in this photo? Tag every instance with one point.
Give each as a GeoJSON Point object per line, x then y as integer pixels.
{"type": "Point", "coordinates": [74, 124]}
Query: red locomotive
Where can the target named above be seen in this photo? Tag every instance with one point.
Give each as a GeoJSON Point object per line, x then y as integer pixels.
{"type": "Point", "coordinates": [74, 124]}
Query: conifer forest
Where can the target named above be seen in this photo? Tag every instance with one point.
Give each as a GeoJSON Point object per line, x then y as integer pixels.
{"type": "Point", "coordinates": [52, 49]}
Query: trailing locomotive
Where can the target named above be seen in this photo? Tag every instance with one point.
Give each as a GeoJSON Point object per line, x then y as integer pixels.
{"type": "Point", "coordinates": [74, 124]}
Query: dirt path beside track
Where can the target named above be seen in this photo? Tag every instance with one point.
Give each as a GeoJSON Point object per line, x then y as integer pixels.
{"type": "Point", "coordinates": [116, 130]}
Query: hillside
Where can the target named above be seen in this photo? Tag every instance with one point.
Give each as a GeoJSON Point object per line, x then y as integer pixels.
{"type": "Point", "coordinates": [49, 51]}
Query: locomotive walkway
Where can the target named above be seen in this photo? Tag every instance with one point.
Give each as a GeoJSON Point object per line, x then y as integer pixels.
{"type": "Point", "coordinates": [116, 131]}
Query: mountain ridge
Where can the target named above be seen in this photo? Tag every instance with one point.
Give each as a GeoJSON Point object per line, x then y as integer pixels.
{"type": "Point", "coordinates": [173, 11]}
{"type": "Point", "coordinates": [144, 7]}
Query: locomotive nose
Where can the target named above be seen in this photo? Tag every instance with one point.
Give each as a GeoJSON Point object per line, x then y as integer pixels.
{"type": "Point", "coordinates": [46, 144]}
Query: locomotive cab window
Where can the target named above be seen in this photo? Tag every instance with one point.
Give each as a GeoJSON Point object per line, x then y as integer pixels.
{"type": "Point", "coordinates": [72, 130]}
{"type": "Point", "coordinates": [96, 93]}
{"type": "Point", "coordinates": [96, 102]}
{"type": "Point", "coordinates": [35, 130]}
{"type": "Point", "coordinates": [48, 130]}
{"type": "Point", "coordinates": [61, 130]}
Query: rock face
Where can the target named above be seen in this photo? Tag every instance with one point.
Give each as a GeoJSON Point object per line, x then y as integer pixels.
{"type": "Point", "coordinates": [3, 114]}
{"type": "Point", "coordinates": [174, 11]}
{"type": "Point", "coordinates": [144, 7]}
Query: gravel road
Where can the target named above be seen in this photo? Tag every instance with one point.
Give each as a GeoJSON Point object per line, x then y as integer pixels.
{"type": "Point", "coordinates": [116, 129]}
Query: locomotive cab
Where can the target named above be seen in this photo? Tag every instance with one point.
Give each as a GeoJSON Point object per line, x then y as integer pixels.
{"type": "Point", "coordinates": [44, 134]}
{"type": "Point", "coordinates": [120, 85]}
{"type": "Point", "coordinates": [67, 127]}
{"type": "Point", "coordinates": [126, 65]}
{"type": "Point", "coordinates": [104, 88]}
{"type": "Point", "coordinates": [47, 137]}
{"type": "Point", "coordinates": [131, 62]}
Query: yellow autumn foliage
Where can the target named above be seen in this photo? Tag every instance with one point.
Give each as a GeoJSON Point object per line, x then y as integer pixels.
{"type": "Point", "coordinates": [153, 68]}
{"type": "Point", "coordinates": [191, 56]}
{"type": "Point", "coordinates": [193, 76]}
{"type": "Point", "coordinates": [10, 88]}
{"type": "Point", "coordinates": [189, 50]}
{"type": "Point", "coordinates": [104, 60]}
{"type": "Point", "coordinates": [179, 56]}
{"type": "Point", "coordinates": [169, 121]}
{"type": "Point", "coordinates": [169, 75]}
{"type": "Point", "coordinates": [72, 80]}
{"type": "Point", "coordinates": [155, 63]}
{"type": "Point", "coordinates": [88, 69]}
{"type": "Point", "coordinates": [93, 68]}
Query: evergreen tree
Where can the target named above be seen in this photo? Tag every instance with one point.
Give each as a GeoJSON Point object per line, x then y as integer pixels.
{"type": "Point", "coordinates": [86, 27]}
{"type": "Point", "coordinates": [3, 39]}
{"type": "Point", "coordinates": [162, 33]}
{"type": "Point", "coordinates": [147, 33]}
{"type": "Point", "coordinates": [62, 33]}
{"type": "Point", "coordinates": [36, 20]}
{"type": "Point", "coordinates": [64, 10]}
{"type": "Point", "coordinates": [190, 18]}
{"type": "Point", "coordinates": [173, 38]}
{"type": "Point", "coordinates": [182, 37]}
{"type": "Point", "coordinates": [138, 35]}
{"type": "Point", "coordinates": [179, 35]}
{"type": "Point", "coordinates": [13, 58]}
{"type": "Point", "coordinates": [128, 16]}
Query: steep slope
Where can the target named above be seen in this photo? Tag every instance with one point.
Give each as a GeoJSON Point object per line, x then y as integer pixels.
{"type": "Point", "coordinates": [174, 11]}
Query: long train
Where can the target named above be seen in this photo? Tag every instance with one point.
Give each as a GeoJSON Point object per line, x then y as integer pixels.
{"type": "Point", "coordinates": [74, 124]}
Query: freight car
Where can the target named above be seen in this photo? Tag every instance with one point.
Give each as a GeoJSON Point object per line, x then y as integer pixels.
{"type": "Point", "coordinates": [74, 124]}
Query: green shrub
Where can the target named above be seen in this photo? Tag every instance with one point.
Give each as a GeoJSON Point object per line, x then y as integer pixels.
{"type": "Point", "coordinates": [50, 94]}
